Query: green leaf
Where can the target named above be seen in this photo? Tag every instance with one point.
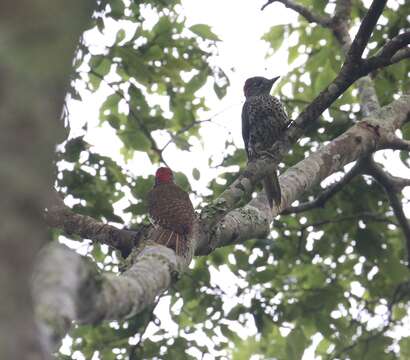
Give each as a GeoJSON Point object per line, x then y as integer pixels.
{"type": "Point", "coordinates": [120, 36]}
{"type": "Point", "coordinates": [137, 209]}
{"type": "Point", "coordinates": [196, 174]}
{"type": "Point", "coordinates": [182, 181]}
{"type": "Point", "coordinates": [404, 344]}
{"type": "Point", "coordinates": [324, 78]}
{"type": "Point", "coordinates": [136, 140]}
{"type": "Point", "coordinates": [204, 31]}
{"type": "Point", "coordinates": [293, 53]}
{"type": "Point", "coordinates": [296, 342]}
{"type": "Point", "coordinates": [275, 36]}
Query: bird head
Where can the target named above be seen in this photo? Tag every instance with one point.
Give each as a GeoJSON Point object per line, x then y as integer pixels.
{"type": "Point", "coordinates": [164, 175]}
{"type": "Point", "coordinates": [258, 85]}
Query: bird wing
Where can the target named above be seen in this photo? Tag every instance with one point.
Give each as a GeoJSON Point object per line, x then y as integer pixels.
{"type": "Point", "coordinates": [280, 113]}
{"type": "Point", "coordinates": [245, 125]}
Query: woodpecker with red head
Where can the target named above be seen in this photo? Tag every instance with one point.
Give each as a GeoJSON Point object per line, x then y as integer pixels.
{"type": "Point", "coordinates": [171, 212]}
{"type": "Point", "coordinates": [263, 122]}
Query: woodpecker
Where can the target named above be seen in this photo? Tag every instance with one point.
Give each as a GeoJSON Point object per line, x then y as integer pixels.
{"type": "Point", "coordinates": [171, 212]}
{"type": "Point", "coordinates": [263, 122]}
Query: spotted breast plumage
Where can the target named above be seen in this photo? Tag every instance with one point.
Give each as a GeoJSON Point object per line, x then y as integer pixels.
{"type": "Point", "coordinates": [263, 122]}
{"type": "Point", "coordinates": [171, 212]}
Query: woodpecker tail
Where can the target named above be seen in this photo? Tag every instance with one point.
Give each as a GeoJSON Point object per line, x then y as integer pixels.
{"type": "Point", "coordinates": [272, 189]}
{"type": "Point", "coordinates": [171, 239]}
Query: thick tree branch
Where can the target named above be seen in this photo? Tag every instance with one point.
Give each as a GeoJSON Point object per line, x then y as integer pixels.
{"type": "Point", "coordinates": [59, 215]}
{"type": "Point", "coordinates": [327, 193]}
{"type": "Point", "coordinates": [69, 287]}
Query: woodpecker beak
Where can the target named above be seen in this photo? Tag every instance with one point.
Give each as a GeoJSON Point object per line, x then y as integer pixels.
{"type": "Point", "coordinates": [273, 80]}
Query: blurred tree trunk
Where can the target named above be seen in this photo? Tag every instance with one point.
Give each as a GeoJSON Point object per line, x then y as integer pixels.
{"type": "Point", "coordinates": [38, 39]}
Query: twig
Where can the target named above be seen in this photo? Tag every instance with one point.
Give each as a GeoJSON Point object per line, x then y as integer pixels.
{"type": "Point", "coordinates": [363, 215]}
{"type": "Point", "coordinates": [140, 122]}
{"type": "Point", "coordinates": [308, 14]}
{"type": "Point", "coordinates": [399, 293]}
{"type": "Point", "coordinates": [182, 130]}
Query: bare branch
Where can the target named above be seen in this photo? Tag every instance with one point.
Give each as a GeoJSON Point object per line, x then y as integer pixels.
{"type": "Point", "coordinates": [401, 55]}
{"type": "Point", "coordinates": [327, 193]}
{"type": "Point", "coordinates": [367, 96]}
{"type": "Point", "coordinates": [308, 14]}
{"type": "Point", "coordinates": [391, 186]}
{"type": "Point", "coordinates": [364, 215]}
{"type": "Point", "coordinates": [390, 53]}
{"type": "Point", "coordinates": [365, 30]}
{"type": "Point", "coordinates": [182, 130]}
{"type": "Point", "coordinates": [340, 23]}
{"type": "Point", "coordinates": [59, 215]}
{"type": "Point", "coordinates": [398, 144]}
{"type": "Point", "coordinates": [399, 293]}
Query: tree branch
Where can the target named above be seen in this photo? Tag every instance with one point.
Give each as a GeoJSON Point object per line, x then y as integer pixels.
{"type": "Point", "coordinates": [327, 193]}
{"type": "Point", "coordinates": [59, 215]}
{"type": "Point", "coordinates": [363, 215]}
{"type": "Point", "coordinates": [399, 144]}
{"type": "Point", "coordinates": [352, 70]}
{"type": "Point", "coordinates": [360, 140]}
{"type": "Point", "coordinates": [340, 23]}
{"type": "Point", "coordinates": [365, 30]}
{"type": "Point", "coordinates": [401, 55]}
{"type": "Point", "coordinates": [308, 14]}
{"type": "Point", "coordinates": [392, 185]}
{"type": "Point", "coordinates": [68, 287]}
{"type": "Point", "coordinates": [389, 53]}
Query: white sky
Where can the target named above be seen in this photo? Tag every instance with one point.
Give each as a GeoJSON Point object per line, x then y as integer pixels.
{"type": "Point", "coordinates": [240, 25]}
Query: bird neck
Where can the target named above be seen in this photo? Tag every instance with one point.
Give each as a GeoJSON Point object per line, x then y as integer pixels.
{"type": "Point", "coordinates": [159, 182]}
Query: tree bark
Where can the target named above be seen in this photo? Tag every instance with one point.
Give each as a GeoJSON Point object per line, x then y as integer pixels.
{"type": "Point", "coordinates": [36, 61]}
